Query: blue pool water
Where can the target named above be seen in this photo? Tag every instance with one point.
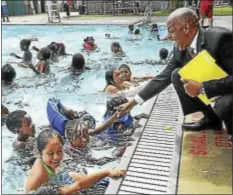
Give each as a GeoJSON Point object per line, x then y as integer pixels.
{"type": "Point", "coordinates": [85, 91]}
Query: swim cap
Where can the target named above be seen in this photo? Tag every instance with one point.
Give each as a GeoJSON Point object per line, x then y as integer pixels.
{"type": "Point", "coordinates": [13, 121]}
{"type": "Point", "coordinates": [8, 74]}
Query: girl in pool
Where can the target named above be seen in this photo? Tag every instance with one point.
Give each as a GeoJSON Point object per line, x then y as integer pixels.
{"type": "Point", "coordinates": [129, 80]}
{"type": "Point", "coordinates": [89, 44]}
{"type": "Point", "coordinates": [117, 49]}
{"type": "Point", "coordinates": [42, 66]}
{"type": "Point", "coordinates": [78, 63]}
{"type": "Point", "coordinates": [45, 168]}
{"type": "Point", "coordinates": [114, 82]}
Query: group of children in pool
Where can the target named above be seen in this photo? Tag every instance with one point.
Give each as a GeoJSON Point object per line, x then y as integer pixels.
{"type": "Point", "coordinates": [69, 130]}
{"type": "Point", "coordinates": [72, 128]}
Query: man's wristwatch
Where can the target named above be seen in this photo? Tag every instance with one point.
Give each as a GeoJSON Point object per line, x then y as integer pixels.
{"type": "Point", "coordinates": [202, 89]}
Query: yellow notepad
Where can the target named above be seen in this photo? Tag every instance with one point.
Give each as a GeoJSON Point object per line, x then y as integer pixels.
{"type": "Point", "coordinates": [202, 68]}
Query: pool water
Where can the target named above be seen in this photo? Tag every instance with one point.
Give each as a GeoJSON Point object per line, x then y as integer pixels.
{"type": "Point", "coordinates": [85, 91]}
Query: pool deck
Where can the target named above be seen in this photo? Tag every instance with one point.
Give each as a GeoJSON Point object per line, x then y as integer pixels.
{"type": "Point", "coordinates": [224, 21]}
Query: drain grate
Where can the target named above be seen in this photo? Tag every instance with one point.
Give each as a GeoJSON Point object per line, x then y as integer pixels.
{"type": "Point", "coordinates": [153, 168]}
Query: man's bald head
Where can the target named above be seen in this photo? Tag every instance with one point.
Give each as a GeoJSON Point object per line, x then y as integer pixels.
{"type": "Point", "coordinates": [183, 15]}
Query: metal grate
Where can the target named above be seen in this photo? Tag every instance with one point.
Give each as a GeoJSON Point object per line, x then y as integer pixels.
{"type": "Point", "coordinates": [154, 166]}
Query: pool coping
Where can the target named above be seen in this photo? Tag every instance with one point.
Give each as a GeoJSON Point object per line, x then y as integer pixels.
{"type": "Point", "coordinates": [126, 158]}
{"type": "Point", "coordinates": [129, 152]}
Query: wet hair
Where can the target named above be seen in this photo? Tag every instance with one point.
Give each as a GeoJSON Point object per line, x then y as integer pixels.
{"type": "Point", "coordinates": [125, 66]}
{"type": "Point", "coordinates": [45, 53]}
{"type": "Point", "coordinates": [87, 39]}
{"type": "Point", "coordinates": [13, 121]}
{"type": "Point", "coordinates": [89, 119]}
{"type": "Point", "coordinates": [109, 77]}
{"type": "Point", "coordinates": [61, 48]}
{"type": "Point", "coordinates": [25, 42]}
{"type": "Point", "coordinates": [73, 129]}
{"type": "Point", "coordinates": [163, 53]}
{"type": "Point", "coordinates": [131, 27]}
{"type": "Point", "coordinates": [113, 103]}
{"type": "Point", "coordinates": [154, 26]}
{"type": "Point", "coordinates": [22, 138]}
{"type": "Point", "coordinates": [44, 137]}
{"type": "Point", "coordinates": [78, 62]}
{"type": "Point", "coordinates": [8, 74]}
{"type": "Point", "coordinates": [53, 47]}
{"type": "Point", "coordinates": [116, 44]}
{"type": "Point", "coordinates": [137, 32]}
{"type": "Point", "coordinates": [4, 110]}
{"type": "Point", "coordinates": [47, 189]}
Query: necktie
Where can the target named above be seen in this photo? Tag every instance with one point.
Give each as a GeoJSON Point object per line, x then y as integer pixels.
{"type": "Point", "coordinates": [191, 52]}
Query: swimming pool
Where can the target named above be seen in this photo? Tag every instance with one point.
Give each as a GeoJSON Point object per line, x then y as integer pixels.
{"type": "Point", "coordinates": [85, 91]}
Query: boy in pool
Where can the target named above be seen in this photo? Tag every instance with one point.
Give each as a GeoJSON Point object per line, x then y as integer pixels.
{"type": "Point", "coordinates": [19, 122]}
{"type": "Point", "coordinates": [163, 55]}
{"type": "Point", "coordinates": [131, 28]}
{"type": "Point", "coordinates": [27, 55]}
{"type": "Point", "coordinates": [113, 124]}
{"type": "Point", "coordinates": [44, 170]}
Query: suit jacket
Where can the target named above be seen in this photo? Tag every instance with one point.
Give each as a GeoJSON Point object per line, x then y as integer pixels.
{"type": "Point", "coordinates": [218, 42]}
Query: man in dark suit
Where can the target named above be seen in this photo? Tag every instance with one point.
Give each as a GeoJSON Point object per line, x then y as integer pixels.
{"type": "Point", "coordinates": [190, 39]}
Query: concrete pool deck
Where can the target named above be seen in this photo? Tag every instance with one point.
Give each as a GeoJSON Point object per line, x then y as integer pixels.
{"type": "Point", "coordinates": [224, 21]}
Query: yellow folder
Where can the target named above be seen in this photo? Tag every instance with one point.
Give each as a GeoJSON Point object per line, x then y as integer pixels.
{"type": "Point", "coordinates": [202, 68]}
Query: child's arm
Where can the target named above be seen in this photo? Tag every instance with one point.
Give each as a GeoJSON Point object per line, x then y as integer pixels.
{"type": "Point", "coordinates": [146, 77]}
{"type": "Point", "coordinates": [16, 56]}
{"type": "Point", "coordinates": [87, 181]}
{"type": "Point", "coordinates": [34, 69]}
{"type": "Point", "coordinates": [102, 127]}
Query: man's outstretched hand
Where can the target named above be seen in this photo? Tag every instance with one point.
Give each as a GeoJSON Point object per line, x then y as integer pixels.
{"type": "Point", "coordinates": [124, 108]}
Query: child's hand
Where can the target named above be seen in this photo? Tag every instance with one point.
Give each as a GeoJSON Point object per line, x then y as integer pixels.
{"type": "Point", "coordinates": [12, 54]}
{"type": "Point", "coordinates": [116, 173]}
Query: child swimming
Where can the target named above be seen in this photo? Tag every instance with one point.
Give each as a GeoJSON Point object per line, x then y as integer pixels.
{"type": "Point", "coordinates": [163, 55]}
{"type": "Point", "coordinates": [42, 66]}
{"type": "Point", "coordinates": [89, 44]}
{"type": "Point", "coordinates": [8, 74]}
{"type": "Point", "coordinates": [44, 170]}
{"type": "Point", "coordinates": [27, 55]}
{"type": "Point", "coordinates": [19, 122]}
{"type": "Point", "coordinates": [117, 49]}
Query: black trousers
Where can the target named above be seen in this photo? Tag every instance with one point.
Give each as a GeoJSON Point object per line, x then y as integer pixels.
{"type": "Point", "coordinates": [222, 108]}
{"type": "Point", "coordinates": [67, 9]}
